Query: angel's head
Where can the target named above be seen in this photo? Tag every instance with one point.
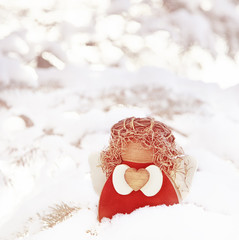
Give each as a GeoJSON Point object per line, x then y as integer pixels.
{"type": "Point", "coordinates": [141, 140]}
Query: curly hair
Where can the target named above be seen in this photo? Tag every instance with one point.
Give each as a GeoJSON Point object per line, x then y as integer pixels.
{"type": "Point", "coordinates": [151, 134]}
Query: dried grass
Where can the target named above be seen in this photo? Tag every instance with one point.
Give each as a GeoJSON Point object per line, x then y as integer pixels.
{"type": "Point", "coordinates": [58, 213]}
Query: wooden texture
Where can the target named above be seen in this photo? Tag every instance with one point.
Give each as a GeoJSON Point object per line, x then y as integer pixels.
{"type": "Point", "coordinates": [134, 152]}
{"type": "Point", "coordinates": [136, 179]}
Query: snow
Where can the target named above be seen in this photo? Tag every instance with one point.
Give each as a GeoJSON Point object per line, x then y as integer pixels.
{"type": "Point", "coordinates": [56, 117]}
{"type": "Point", "coordinates": [46, 162]}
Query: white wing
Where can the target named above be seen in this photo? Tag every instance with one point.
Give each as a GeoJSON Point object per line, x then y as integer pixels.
{"type": "Point", "coordinates": [184, 175]}
{"type": "Point", "coordinates": [97, 176]}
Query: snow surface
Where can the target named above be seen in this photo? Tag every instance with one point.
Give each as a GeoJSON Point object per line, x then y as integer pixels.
{"type": "Point", "coordinates": [55, 115]}
{"type": "Point", "coordinates": [48, 134]}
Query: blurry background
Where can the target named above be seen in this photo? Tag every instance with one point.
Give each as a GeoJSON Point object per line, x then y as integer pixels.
{"type": "Point", "coordinates": [70, 69]}
{"type": "Point", "coordinates": [197, 39]}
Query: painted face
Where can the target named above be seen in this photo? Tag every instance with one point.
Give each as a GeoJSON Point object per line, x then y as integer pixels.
{"type": "Point", "coordinates": [134, 152]}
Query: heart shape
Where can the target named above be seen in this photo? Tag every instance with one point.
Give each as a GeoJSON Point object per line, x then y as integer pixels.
{"type": "Point", "coordinates": [136, 179]}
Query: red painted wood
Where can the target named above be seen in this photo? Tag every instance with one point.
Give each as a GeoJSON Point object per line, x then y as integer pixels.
{"type": "Point", "coordinates": [112, 203]}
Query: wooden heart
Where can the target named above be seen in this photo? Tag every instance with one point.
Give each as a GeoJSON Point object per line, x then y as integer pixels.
{"type": "Point", "coordinates": [136, 179]}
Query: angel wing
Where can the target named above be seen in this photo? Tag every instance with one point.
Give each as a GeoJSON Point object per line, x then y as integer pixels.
{"type": "Point", "coordinates": [97, 176]}
{"type": "Point", "coordinates": [184, 175]}
{"type": "Point", "coordinates": [182, 179]}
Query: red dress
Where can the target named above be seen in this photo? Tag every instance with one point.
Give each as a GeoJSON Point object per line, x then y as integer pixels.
{"type": "Point", "coordinates": [112, 202]}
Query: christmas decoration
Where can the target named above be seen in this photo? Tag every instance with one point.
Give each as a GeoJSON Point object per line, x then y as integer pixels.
{"type": "Point", "coordinates": [144, 167]}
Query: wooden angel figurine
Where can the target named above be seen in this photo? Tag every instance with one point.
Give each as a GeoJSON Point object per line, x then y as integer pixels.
{"type": "Point", "coordinates": [143, 167]}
